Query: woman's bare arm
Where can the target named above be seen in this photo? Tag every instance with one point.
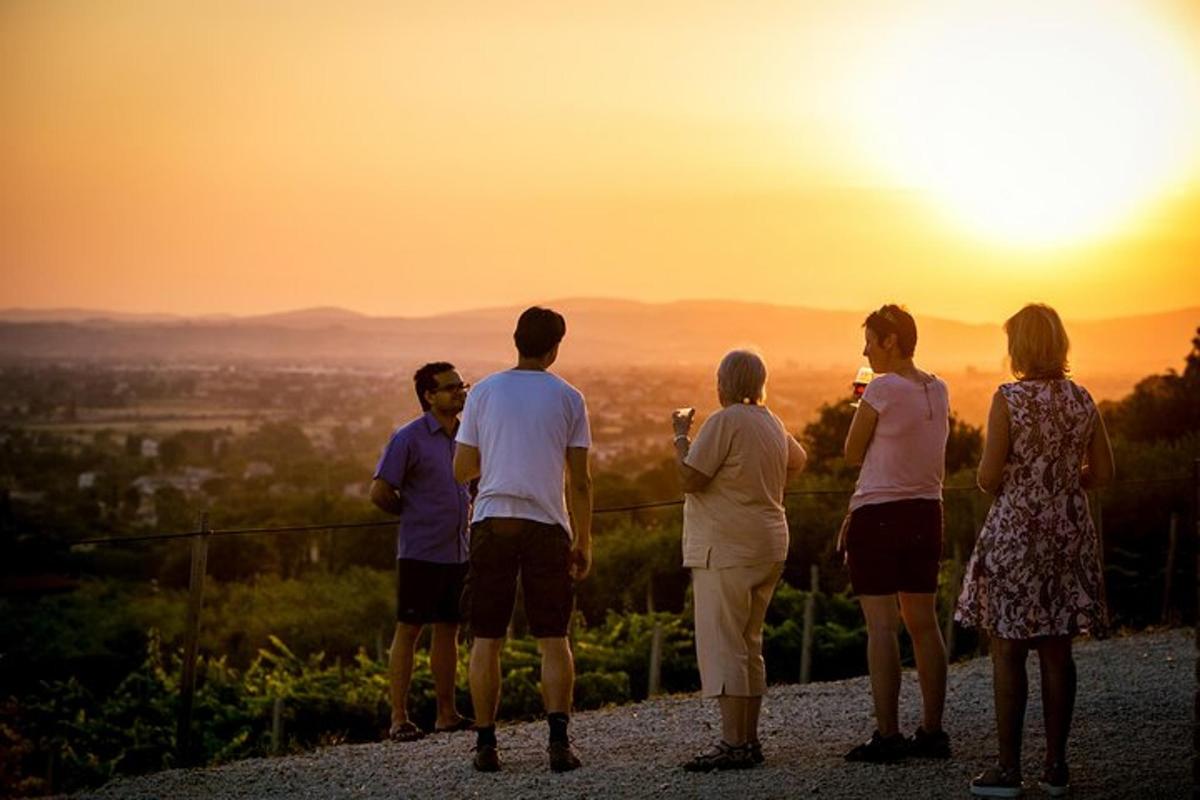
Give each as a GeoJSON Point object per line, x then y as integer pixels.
{"type": "Point", "coordinates": [995, 446]}
{"type": "Point", "coordinates": [1099, 470]}
{"type": "Point", "coordinates": [862, 428]}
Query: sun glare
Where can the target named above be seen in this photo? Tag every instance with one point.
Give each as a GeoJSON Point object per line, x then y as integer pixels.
{"type": "Point", "coordinates": [1033, 125]}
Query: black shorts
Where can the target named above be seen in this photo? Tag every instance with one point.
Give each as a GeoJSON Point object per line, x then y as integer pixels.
{"type": "Point", "coordinates": [895, 547]}
{"type": "Point", "coordinates": [502, 548]}
{"type": "Point", "coordinates": [428, 592]}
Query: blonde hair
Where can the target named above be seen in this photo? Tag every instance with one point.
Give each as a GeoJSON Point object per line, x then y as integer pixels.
{"type": "Point", "coordinates": [742, 378]}
{"type": "Point", "coordinates": [1037, 343]}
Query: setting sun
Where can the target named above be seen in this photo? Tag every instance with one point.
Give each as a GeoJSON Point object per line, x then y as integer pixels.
{"type": "Point", "coordinates": [1032, 124]}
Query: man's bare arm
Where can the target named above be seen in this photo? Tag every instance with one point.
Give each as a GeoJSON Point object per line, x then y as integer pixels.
{"type": "Point", "coordinates": [466, 462]}
{"type": "Point", "coordinates": [579, 506]}
{"type": "Point", "coordinates": [385, 498]}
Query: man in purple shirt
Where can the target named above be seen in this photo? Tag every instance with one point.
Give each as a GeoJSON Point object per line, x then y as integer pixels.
{"type": "Point", "coordinates": [415, 481]}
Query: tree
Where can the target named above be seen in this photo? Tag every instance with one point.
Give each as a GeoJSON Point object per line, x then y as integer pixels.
{"type": "Point", "coordinates": [825, 437]}
{"type": "Point", "coordinates": [964, 446]}
{"type": "Point", "coordinates": [1161, 407]}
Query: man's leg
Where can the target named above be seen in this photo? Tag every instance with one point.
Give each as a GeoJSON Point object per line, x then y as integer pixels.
{"type": "Point", "coordinates": [920, 617]}
{"type": "Point", "coordinates": [489, 594]}
{"type": "Point", "coordinates": [400, 664]}
{"type": "Point", "coordinates": [484, 675]}
{"type": "Point", "coordinates": [558, 674]}
{"type": "Point", "coordinates": [883, 659]}
{"type": "Point", "coordinates": [443, 662]}
{"type": "Point", "coordinates": [558, 687]}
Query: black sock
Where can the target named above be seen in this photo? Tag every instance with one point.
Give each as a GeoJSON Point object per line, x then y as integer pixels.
{"type": "Point", "coordinates": [485, 737]}
{"type": "Point", "coordinates": [558, 726]}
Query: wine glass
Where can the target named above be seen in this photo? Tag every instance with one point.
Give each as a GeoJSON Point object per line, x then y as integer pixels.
{"type": "Point", "coordinates": [861, 379]}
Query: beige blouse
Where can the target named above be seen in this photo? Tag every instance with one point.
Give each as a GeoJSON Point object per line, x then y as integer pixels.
{"type": "Point", "coordinates": [738, 518]}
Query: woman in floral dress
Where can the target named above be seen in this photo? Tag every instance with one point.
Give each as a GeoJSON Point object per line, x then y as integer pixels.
{"type": "Point", "coordinates": [1034, 580]}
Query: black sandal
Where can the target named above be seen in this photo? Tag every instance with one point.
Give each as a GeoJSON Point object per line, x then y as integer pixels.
{"type": "Point", "coordinates": [405, 732]}
{"type": "Point", "coordinates": [721, 757]}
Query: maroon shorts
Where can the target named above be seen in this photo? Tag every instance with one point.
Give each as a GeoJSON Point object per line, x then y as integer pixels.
{"type": "Point", "coordinates": [895, 547]}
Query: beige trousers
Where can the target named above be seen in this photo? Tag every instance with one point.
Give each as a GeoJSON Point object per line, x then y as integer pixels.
{"type": "Point", "coordinates": [731, 604]}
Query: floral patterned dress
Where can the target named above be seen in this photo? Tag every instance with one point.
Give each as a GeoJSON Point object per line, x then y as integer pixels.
{"type": "Point", "coordinates": [1036, 566]}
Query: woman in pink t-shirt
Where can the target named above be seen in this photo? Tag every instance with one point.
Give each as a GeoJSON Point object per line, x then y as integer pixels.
{"type": "Point", "coordinates": [893, 534]}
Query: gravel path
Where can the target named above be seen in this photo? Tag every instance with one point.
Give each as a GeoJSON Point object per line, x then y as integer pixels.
{"type": "Point", "coordinates": [1132, 738]}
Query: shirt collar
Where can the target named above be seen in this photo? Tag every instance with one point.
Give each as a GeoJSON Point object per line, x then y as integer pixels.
{"type": "Point", "coordinates": [432, 424]}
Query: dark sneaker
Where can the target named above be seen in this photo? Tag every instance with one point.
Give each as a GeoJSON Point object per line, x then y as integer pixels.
{"type": "Point", "coordinates": [1056, 780]}
{"type": "Point", "coordinates": [929, 745]}
{"type": "Point", "coordinates": [487, 758]}
{"type": "Point", "coordinates": [880, 749]}
{"type": "Point", "coordinates": [997, 782]}
{"type": "Point", "coordinates": [756, 753]}
{"type": "Point", "coordinates": [721, 757]}
{"type": "Point", "coordinates": [562, 759]}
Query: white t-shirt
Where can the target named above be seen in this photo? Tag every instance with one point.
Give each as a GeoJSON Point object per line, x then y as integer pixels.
{"type": "Point", "coordinates": [523, 421]}
{"type": "Point", "coordinates": [906, 458]}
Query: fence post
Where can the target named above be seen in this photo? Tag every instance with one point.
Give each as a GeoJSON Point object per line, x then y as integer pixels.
{"type": "Point", "coordinates": [654, 677]}
{"type": "Point", "coordinates": [1172, 544]}
{"type": "Point", "coordinates": [191, 641]}
{"type": "Point", "coordinates": [956, 576]}
{"type": "Point", "coordinates": [654, 680]}
{"type": "Point", "coordinates": [277, 726]}
{"type": "Point", "coordinates": [810, 619]}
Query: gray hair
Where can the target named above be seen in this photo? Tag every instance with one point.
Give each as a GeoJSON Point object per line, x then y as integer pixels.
{"type": "Point", "coordinates": [741, 378]}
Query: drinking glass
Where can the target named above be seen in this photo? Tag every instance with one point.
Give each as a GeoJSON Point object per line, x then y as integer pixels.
{"type": "Point", "coordinates": [861, 379]}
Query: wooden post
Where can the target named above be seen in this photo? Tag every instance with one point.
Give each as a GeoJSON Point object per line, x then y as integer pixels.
{"type": "Point", "coordinates": [810, 620]}
{"type": "Point", "coordinates": [956, 576]}
{"type": "Point", "coordinates": [191, 641]}
{"type": "Point", "coordinates": [654, 677]}
{"type": "Point", "coordinates": [1172, 543]}
{"type": "Point", "coordinates": [277, 726]}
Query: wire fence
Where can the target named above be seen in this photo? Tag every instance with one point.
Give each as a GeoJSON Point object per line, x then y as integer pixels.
{"type": "Point", "coordinates": [204, 533]}
{"type": "Point", "coordinates": [388, 523]}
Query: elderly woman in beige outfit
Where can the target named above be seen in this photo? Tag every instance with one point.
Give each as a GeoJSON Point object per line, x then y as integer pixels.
{"type": "Point", "coordinates": [735, 540]}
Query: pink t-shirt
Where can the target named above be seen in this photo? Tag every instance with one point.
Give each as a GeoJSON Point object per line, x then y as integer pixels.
{"type": "Point", "coordinates": [906, 458]}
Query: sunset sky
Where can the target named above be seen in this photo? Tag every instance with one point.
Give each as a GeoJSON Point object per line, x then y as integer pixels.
{"type": "Point", "coordinates": [411, 158]}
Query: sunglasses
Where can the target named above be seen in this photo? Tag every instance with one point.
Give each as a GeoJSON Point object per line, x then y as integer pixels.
{"type": "Point", "coordinates": [453, 387]}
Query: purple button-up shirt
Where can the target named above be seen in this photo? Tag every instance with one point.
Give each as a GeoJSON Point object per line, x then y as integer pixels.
{"type": "Point", "coordinates": [418, 463]}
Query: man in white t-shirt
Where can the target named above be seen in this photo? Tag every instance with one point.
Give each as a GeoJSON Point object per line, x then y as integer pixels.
{"type": "Point", "coordinates": [519, 429]}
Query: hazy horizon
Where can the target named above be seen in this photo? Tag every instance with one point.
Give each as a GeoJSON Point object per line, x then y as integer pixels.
{"type": "Point", "coordinates": [565, 301]}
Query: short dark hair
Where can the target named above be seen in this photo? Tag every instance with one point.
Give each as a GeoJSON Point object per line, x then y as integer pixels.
{"type": "Point", "coordinates": [424, 380]}
{"type": "Point", "coordinates": [538, 331]}
{"type": "Point", "coordinates": [895, 319]}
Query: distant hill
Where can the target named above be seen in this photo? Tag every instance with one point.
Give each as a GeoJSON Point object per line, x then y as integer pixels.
{"type": "Point", "coordinates": [599, 333]}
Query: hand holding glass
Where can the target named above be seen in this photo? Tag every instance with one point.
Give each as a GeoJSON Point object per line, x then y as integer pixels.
{"type": "Point", "coordinates": [861, 380]}
{"type": "Point", "coordinates": [681, 420]}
